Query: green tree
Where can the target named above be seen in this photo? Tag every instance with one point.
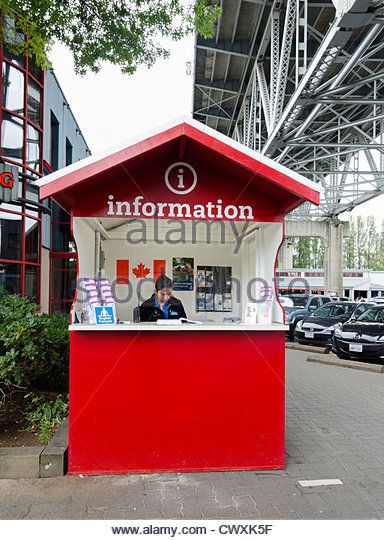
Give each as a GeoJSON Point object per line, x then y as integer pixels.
{"type": "Point", "coordinates": [372, 246]}
{"type": "Point", "coordinates": [360, 242]}
{"type": "Point", "coordinates": [302, 259]}
{"type": "Point", "coordinates": [349, 246]}
{"type": "Point", "coordinates": [380, 263]}
{"type": "Point", "coordinates": [317, 253]}
{"type": "Point", "coordinates": [127, 33]}
{"type": "Point", "coordinates": [364, 247]}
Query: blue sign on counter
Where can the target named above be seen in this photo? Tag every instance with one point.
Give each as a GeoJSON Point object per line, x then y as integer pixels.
{"type": "Point", "coordinates": [104, 315]}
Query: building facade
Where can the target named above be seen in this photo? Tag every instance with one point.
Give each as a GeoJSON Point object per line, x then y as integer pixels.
{"type": "Point", "coordinates": [356, 283]}
{"type": "Point", "coordinates": [39, 134]}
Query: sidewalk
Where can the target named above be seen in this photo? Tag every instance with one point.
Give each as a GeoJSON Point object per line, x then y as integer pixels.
{"type": "Point", "coordinates": [335, 430]}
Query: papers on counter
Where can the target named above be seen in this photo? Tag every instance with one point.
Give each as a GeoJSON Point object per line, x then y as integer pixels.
{"type": "Point", "coordinates": [176, 322]}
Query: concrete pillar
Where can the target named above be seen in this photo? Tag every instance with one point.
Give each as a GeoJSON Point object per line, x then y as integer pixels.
{"type": "Point", "coordinates": [286, 255]}
{"type": "Point", "coordinates": [333, 271]}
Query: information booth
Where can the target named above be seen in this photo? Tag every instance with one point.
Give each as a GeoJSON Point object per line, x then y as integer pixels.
{"type": "Point", "coordinates": [190, 203]}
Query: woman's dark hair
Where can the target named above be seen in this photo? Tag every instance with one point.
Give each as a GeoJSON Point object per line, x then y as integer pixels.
{"type": "Point", "coordinates": [163, 282]}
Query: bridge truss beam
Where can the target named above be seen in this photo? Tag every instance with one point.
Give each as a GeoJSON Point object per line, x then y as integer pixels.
{"type": "Point", "coordinates": [301, 82]}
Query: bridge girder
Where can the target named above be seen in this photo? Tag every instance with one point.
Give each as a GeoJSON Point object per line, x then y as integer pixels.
{"type": "Point", "coordinates": [301, 82]}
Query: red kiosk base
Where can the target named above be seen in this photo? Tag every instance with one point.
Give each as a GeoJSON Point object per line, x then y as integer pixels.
{"type": "Point", "coordinates": [176, 400]}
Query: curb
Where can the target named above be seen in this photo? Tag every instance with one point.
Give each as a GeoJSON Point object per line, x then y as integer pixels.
{"type": "Point", "coordinates": [36, 461]}
{"type": "Point", "coordinates": [307, 348]}
{"type": "Point", "coordinates": [333, 360]}
{"type": "Point", "coordinates": [20, 462]}
{"type": "Point", "coordinates": [54, 457]}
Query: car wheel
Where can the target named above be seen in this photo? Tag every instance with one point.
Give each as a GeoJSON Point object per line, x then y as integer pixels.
{"type": "Point", "coordinates": [292, 331]}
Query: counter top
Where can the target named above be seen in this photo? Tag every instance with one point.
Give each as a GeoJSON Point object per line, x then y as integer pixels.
{"type": "Point", "coordinates": [187, 327]}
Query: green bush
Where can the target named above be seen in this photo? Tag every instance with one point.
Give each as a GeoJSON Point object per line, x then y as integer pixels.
{"type": "Point", "coordinates": [44, 413]}
{"type": "Point", "coordinates": [34, 348]}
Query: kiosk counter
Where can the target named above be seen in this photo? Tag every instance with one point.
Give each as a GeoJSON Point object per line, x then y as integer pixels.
{"type": "Point", "coordinates": [190, 203]}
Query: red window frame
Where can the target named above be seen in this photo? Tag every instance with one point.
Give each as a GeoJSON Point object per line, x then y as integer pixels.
{"type": "Point", "coordinates": [24, 212]}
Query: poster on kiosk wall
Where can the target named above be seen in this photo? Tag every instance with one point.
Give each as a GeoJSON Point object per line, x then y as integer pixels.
{"type": "Point", "coordinates": [182, 273]}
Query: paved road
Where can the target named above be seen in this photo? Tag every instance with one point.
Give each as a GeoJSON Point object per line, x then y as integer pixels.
{"type": "Point", "coordinates": [335, 429]}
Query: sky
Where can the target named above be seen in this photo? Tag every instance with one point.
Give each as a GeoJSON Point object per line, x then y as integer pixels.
{"type": "Point", "coordinates": [111, 107]}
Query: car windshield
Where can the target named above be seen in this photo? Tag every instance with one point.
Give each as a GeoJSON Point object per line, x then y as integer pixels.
{"type": "Point", "coordinates": [373, 315]}
{"type": "Point", "coordinates": [298, 301]}
{"type": "Point", "coordinates": [334, 310]}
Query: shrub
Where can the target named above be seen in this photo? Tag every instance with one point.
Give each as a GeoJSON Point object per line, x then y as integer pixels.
{"type": "Point", "coordinates": [34, 348]}
{"type": "Point", "coordinates": [43, 413]}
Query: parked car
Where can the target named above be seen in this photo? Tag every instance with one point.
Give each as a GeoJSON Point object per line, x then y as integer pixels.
{"type": "Point", "coordinates": [303, 306]}
{"type": "Point", "coordinates": [378, 299]}
{"type": "Point", "coordinates": [318, 328]}
{"type": "Point", "coordinates": [361, 338]}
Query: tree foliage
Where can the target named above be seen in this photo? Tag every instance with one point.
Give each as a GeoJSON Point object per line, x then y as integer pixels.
{"type": "Point", "coordinates": [309, 252]}
{"type": "Point", "coordinates": [127, 33]}
{"type": "Point", "coordinates": [364, 248]}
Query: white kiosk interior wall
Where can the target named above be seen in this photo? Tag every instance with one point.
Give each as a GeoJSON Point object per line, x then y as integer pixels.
{"type": "Point", "coordinates": [215, 243]}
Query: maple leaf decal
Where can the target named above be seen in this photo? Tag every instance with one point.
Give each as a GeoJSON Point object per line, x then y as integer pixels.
{"type": "Point", "coordinates": [141, 271]}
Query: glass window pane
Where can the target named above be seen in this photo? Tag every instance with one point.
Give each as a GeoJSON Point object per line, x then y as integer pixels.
{"type": "Point", "coordinates": [60, 307]}
{"type": "Point", "coordinates": [10, 236]}
{"type": "Point", "coordinates": [12, 137]}
{"type": "Point", "coordinates": [34, 103]}
{"type": "Point", "coordinates": [32, 194]}
{"type": "Point", "coordinates": [32, 240]}
{"type": "Point", "coordinates": [10, 278]}
{"type": "Point", "coordinates": [35, 70]}
{"type": "Point", "coordinates": [61, 238]}
{"type": "Point", "coordinates": [17, 59]}
{"type": "Point", "coordinates": [58, 214]}
{"type": "Point", "coordinates": [63, 279]}
{"type": "Point", "coordinates": [11, 207]}
{"type": "Point", "coordinates": [13, 89]}
{"type": "Point", "coordinates": [33, 148]}
{"type": "Point", "coordinates": [12, 34]}
{"type": "Point", "coordinates": [31, 283]}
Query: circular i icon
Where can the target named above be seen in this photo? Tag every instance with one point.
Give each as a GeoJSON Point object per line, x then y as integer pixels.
{"type": "Point", "coordinates": [180, 189]}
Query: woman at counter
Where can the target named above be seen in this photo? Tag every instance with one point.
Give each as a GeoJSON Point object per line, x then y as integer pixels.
{"type": "Point", "coordinates": [162, 304]}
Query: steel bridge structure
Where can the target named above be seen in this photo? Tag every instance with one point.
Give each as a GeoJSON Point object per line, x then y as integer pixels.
{"type": "Point", "coordinates": [301, 81]}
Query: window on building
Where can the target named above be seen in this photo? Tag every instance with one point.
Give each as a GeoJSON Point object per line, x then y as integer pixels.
{"type": "Point", "coordinates": [63, 283]}
{"type": "Point", "coordinates": [10, 236]}
{"type": "Point", "coordinates": [353, 274]}
{"type": "Point", "coordinates": [54, 142]}
{"type": "Point", "coordinates": [63, 261]}
{"type": "Point", "coordinates": [14, 58]}
{"type": "Point", "coordinates": [34, 103]}
{"type": "Point", "coordinates": [33, 148]}
{"type": "Point", "coordinates": [12, 137]}
{"type": "Point", "coordinates": [10, 278]}
{"type": "Point", "coordinates": [31, 288]}
{"type": "Point", "coordinates": [21, 135]}
{"type": "Point", "coordinates": [13, 89]}
{"type": "Point", "coordinates": [32, 239]}
{"type": "Point", "coordinates": [68, 152]}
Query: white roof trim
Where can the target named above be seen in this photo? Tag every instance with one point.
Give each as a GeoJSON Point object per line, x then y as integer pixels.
{"type": "Point", "coordinates": [164, 127]}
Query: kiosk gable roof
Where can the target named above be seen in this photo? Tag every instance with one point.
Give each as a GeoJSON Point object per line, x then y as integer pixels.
{"type": "Point", "coordinates": [60, 183]}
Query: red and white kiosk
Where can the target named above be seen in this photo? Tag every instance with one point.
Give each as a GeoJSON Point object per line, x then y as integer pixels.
{"type": "Point", "coordinates": [194, 397]}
